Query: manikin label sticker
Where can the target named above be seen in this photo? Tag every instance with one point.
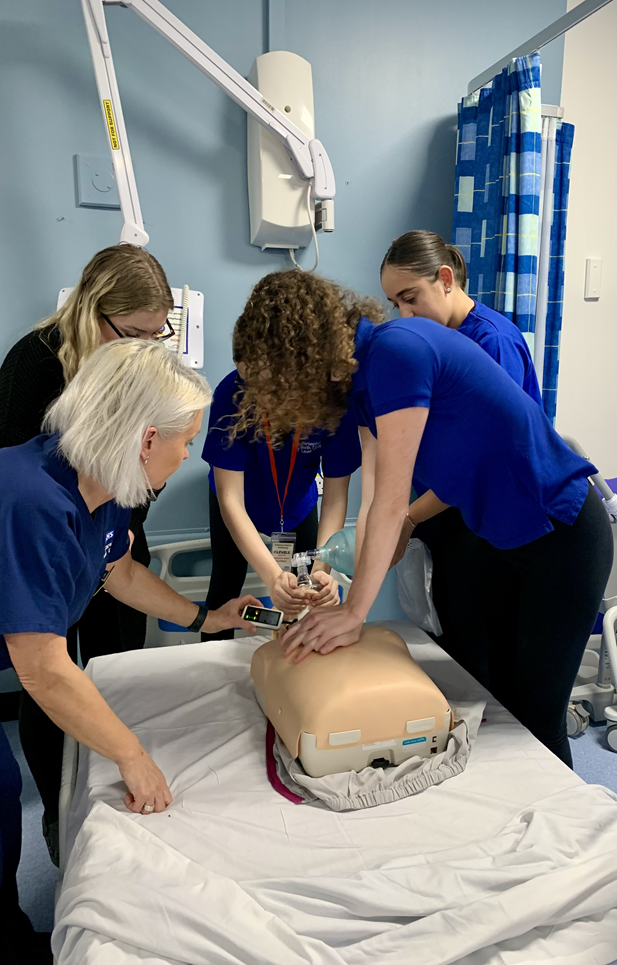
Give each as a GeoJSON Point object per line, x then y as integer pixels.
{"type": "Point", "coordinates": [415, 740]}
{"type": "Point", "coordinates": [111, 125]}
{"type": "Point", "coordinates": [378, 744]}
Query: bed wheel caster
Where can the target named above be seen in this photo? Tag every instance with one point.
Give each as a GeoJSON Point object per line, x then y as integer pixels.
{"type": "Point", "coordinates": [577, 720]}
{"type": "Point", "coordinates": [611, 736]}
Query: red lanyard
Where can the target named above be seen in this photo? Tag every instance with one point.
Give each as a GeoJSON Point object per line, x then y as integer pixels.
{"type": "Point", "coordinates": [292, 462]}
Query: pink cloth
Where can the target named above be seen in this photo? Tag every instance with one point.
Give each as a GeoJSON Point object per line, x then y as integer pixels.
{"type": "Point", "coordinates": [273, 777]}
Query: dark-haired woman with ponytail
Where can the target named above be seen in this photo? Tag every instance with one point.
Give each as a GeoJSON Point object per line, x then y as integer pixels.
{"type": "Point", "coordinates": [424, 277]}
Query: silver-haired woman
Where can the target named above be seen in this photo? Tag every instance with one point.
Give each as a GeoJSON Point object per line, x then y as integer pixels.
{"type": "Point", "coordinates": [118, 431]}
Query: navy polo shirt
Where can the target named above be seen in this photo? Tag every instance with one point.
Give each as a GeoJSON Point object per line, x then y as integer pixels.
{"type": "Point", "coordinates": [338, 454]}
{"type": "Point", "coordinates": [505, 343]}
{"type": "Point", "coordinates": [52, 551]}
{"type": "Point", "coordinates": [487, 447]}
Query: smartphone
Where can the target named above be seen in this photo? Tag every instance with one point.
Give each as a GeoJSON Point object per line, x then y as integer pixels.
{"type": "Point", "coordinates": [260, 616]}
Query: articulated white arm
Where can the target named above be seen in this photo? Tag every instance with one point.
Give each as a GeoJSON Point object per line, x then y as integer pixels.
{"type": "Point", "coordinates": [309, 156]}
{"type": "Point", "coordinates": [133, 228]}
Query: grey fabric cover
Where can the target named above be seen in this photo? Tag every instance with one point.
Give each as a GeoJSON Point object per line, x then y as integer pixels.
{"type": "Point", "coordinates": [352, 790]}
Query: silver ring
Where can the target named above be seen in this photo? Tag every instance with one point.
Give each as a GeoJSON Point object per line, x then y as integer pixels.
{"type": "Point", "coordinates": [148, 808]}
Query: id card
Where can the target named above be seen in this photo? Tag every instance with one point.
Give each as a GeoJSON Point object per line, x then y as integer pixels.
{"type": "Point", "coordinates": [282, 549]}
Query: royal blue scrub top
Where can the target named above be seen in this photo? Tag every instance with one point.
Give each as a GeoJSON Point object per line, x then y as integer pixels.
{"type": "Point", "coordinates": [338, 454]}
{"type": "Point", "coordinates": [53, 553]}
{"type": "Point", "coordinates": [504, 342]}
{"type": "Point", "coordinates": [487, 447]}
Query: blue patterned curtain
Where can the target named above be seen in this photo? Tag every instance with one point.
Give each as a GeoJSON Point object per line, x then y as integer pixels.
{"type": "Point", "coordinates": [547, 361]}
{"type": "Point", "coordinates": [497, 202]}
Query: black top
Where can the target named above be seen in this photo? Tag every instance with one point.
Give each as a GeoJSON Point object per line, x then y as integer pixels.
{"type": "Point", "coordinates": [31, 378]}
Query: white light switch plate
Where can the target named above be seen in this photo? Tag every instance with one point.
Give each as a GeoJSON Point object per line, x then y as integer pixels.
{"type": "Point", "coordinates": [593, 278]}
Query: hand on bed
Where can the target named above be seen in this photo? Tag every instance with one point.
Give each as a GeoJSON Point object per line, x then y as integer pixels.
{"type": "Point", "coordinates": [329, 595]}
{"type": "Point", "coordinates": [322, 630]}
{"type": "Point", "coordinates": [146, 784]}
{"type": "Point", "coordinates": [229, 616]}
{"type": "Point", "coordinates": [286, 596]}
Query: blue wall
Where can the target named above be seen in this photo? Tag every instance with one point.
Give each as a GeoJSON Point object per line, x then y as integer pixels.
{"type": "Point", "coordinates": [387, 78]}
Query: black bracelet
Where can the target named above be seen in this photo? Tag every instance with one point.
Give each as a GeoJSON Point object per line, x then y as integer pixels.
{"type": "Point", "coordinates": [198, 622]}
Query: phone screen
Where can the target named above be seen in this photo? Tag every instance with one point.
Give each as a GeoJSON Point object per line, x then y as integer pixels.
{"type": "Point", "coordinates": [258, 614]}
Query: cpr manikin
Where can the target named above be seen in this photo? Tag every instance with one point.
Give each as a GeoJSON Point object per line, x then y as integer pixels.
{"type": "Point", "coordinates": [368, 704]}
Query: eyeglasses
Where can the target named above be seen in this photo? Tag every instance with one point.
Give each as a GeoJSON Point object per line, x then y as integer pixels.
{"type": "Point", "coordinates": [167, 331]}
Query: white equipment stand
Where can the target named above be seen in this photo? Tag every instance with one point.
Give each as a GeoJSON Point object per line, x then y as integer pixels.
{"type": "Point", "coordinates": [594, 695]}
{"type": "Point", "coordinates": [307, 154]}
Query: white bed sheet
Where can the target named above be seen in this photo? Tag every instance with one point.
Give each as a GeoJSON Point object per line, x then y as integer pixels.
{"type": "Point", "coordinates": [512, 861]}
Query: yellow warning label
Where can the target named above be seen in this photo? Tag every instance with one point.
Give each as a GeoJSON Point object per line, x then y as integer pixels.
{"type": "Point", "coordinates": [111, 126]}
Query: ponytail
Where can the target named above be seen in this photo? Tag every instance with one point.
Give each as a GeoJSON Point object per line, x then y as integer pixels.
{"type": "Point", "coordinates": [424, 253]}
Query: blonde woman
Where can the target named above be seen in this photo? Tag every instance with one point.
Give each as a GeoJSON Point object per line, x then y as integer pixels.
{"type": "Point", "coordinates": [118, 431]}
{"type": "Point", "coordinates": [123, 291]}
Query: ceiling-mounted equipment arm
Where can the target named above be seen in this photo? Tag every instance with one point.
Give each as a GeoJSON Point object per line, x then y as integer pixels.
{"type": "Point", "coordinates": [96, 28]}
{"type": "Point", "coordinates": [308, 155]}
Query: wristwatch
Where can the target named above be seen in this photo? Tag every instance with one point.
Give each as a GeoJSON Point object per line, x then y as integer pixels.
{"type": "Point", "coordinates": [198, 622]}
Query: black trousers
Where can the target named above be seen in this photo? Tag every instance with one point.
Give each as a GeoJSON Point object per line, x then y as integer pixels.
{"type": "Point", "coordinates": [107, 626]}
{"type": "Point", "coordinates": [454, 550]}
{"type": "Point", "coordinates": [520, 619]}
{"type": "Point", "coordinates": [229, 566]}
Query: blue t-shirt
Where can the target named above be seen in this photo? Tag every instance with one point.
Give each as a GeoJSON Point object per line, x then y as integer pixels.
{"type": "Point", "coordinates": [338, 454]}
{"type": "Point", "coordinates": [487, 447]}
{"type": "Point", "coordinates": [504, 342]}
{"type": "Point", "coordinates": [52, 551]}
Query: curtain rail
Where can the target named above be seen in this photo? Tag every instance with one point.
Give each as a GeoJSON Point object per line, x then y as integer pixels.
{"type": "Point", "coordinates": [554, 30]}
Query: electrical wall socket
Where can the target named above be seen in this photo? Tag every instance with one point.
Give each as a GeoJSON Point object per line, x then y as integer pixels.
{"type": "Point", "coordinates": [95, 183]}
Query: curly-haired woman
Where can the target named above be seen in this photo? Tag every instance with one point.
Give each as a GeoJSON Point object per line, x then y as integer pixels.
{"type": "Point", "coordinates": [264, 457]}
{"type": "Point", "coordinates": [432, 404]}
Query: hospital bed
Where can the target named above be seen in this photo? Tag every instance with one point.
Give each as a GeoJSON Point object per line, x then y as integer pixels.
{"type": "Point", "coordinates": [511, 861]}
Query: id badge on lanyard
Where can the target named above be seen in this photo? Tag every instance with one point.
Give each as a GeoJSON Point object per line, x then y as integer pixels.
{"type": "Point", "coordinates": [282, 547]}
{"type": "Point", "coordinates": [283, 543]}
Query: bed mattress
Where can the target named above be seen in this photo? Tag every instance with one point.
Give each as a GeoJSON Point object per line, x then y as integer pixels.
{"type": "Point", "coordinates": [510, 862]}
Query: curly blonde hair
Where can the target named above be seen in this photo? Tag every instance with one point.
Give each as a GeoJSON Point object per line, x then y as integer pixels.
{"type": "Point", "coordinates": [295, 343]}
{"type": "Point", "coordinates": [118, 280]}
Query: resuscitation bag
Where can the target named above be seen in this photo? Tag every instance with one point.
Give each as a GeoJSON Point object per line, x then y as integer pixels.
{"type": "Point", "coordinates": [414, 577]}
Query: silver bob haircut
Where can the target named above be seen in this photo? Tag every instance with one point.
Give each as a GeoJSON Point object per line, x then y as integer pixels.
{"type": "Point", "coordinates": [120, 391]}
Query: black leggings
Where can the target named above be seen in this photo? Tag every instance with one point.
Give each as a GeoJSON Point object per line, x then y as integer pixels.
{"type": "Point", "coordinates": [229, 566]}
{"type": "Point", "coordinates": [521, 618]}
{"type": "Point", "coordinates": [107, 626]}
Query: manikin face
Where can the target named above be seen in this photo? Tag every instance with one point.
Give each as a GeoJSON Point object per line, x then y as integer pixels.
{"type": "Point", "coordinates": [165, 455]}
{"type": "Point", "coordinates": [414, 295]}
{"type": "Point", "coordinates": [140, 324]}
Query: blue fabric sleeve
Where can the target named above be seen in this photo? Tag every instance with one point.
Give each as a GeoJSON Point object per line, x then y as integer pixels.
{"type": "Point", "coordinates": [360, 414]}
{"type": "Point", "coordinates": [218, 451]}
{"type": "Point", "coordinates": [121, 541]}
{"type": "Point", "coordinates": [506, 353]}
{"type": "Point", "coordinates": [402, 370]}
{"type": "Point", "coordinates": [341, 453]}
{"type": "Point", "coordinates": [39, 562]}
